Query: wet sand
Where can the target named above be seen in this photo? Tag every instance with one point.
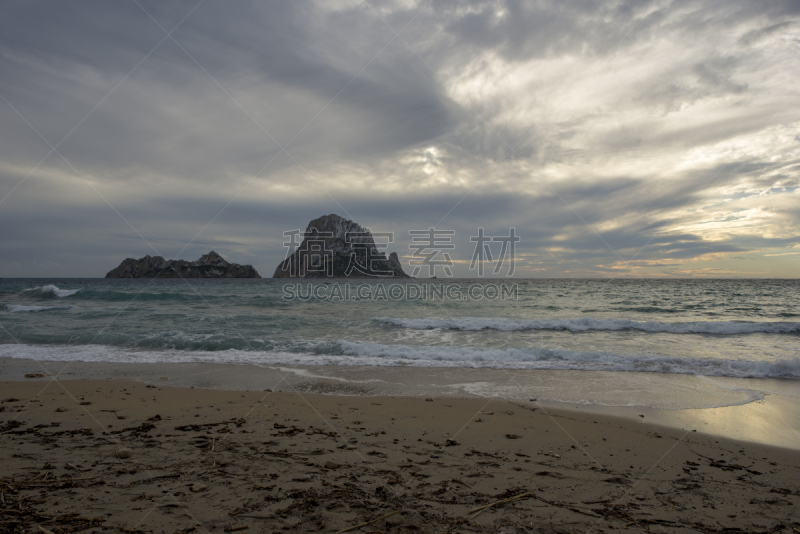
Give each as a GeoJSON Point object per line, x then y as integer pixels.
{"type": "Point", "coordinates": [765, 411]}
{"type": "Point", "coordinates": [124, 456]}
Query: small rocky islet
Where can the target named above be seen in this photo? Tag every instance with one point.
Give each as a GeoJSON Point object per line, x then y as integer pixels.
{"type": "Point", "coordinates": [210, 265]}
{"type": "Point", "coordinates": [336, 247]}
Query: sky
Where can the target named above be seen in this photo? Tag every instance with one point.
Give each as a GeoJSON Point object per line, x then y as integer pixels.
{"type": "Point", "coordinates": [618, 139]}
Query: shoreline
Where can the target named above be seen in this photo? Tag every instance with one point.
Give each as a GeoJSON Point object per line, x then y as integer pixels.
{"type": "Point", "coordinates": [763, 411]}
{"type": "Point", "coordinates": [123, 454]}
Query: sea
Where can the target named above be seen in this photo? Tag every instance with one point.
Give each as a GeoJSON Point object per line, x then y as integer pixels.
{"type": "Point", "coordinates": [660, 343]}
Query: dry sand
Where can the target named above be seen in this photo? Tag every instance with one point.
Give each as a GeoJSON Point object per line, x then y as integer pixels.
{"type": "Point", "coordinates": [122, 456]}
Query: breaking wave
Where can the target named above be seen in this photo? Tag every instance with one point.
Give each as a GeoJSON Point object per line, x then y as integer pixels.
{"type": "Point", "coordinates": [376, 354]}
{"type": "Point", "coordinates": [53, 290]}
{"type": "Point", "coordinates": [584, 324]}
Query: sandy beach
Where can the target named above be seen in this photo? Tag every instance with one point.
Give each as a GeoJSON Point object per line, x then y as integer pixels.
{"type": "Point", "coordinates": [124, 456]}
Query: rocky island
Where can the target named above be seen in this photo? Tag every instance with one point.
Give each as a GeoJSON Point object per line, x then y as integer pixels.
{"type": "Point", "coordinates": [336, 247]}
{"type": "Point", "coordinates": [210, 265]}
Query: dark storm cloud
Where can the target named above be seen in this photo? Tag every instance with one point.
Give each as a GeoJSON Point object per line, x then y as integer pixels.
{"type": "Point", "coordinates": [279, 60]}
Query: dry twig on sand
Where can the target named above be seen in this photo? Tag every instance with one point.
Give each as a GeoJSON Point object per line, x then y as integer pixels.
{"type": "Point", "coordinates": [481, 509]}
{"type": "Point", "coordinates": [368, 522]}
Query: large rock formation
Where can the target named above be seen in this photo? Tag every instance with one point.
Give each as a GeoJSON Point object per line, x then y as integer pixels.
{"type": "Point", "coordinates": [336, 247]}
{"type": "Point", "coordinates": [210, 265]}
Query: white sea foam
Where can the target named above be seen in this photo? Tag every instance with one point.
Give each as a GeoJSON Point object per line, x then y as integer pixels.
{"type": "Point", "coordinates": [53, 290]}
{"type": "Point", "coordinates": [16, 308]}
{"type": "Point", "coordinates": [375, 354]}
{"type": "Point", "coordinates": [584, 324]}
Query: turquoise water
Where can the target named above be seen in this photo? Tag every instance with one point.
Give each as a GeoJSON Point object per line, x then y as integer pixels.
{"type": "Point", "coordinates": [727, 328]}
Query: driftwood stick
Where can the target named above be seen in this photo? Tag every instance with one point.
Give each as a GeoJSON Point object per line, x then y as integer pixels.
{"type": "Point", "coordinates": [368, 522]}
{"type": "Point", "coordinates": [487, 506]}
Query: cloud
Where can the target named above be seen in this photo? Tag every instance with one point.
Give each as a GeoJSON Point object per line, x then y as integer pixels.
{"type": "Point", "coordinates": [628, 137]}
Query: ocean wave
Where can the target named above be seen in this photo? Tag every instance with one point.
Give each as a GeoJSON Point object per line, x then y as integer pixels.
{"type": "Point", "coordinates": [17, 308]}
{"type": "Point", "coordinates": [380, 355]}
{"type": "Point", "coordinates": [156, 341]}
{"type": "Point", "coordinates": [563, 359]}
{"type": "Point", "coordinates": [53, 290]}
{"type": "Point", "coordinates": [584, 324]}
{"type": "Point", "coordinates": [151, 295]}
{"type": "Point", "coordinates": [157, 295]}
